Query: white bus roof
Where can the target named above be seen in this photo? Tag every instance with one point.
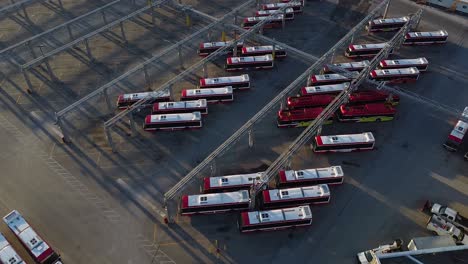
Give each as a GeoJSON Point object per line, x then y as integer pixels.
{"type": "Point", "coordinates": [7, 254]}
{"type": "Point", "coordinates": [353, 64]}
{"type": "Point", "coordinates": [228, 79]}
{"type": "Point", "coordinates": [139, 96]}
{"type": "Point", "coordinates": [347, 139]}
{"type": "Point", "coordinates": [280, 215]}
{"type": "Point", "coordinates": [25, 233]}
{"type": "Point", "coordinates": [261, 48]}
{"type": "Point", "coordinates": [459, 130]}
{"type": "Point", "coordinates": [263, 58]}
{"type": "Point", "coordinates": [219, 44]}
{"type": "Point", "coordinates": [175, 117]}
{"type": "Point", "coordinates": [403, 62]}
{"type": "Point", "coordinates": [390, 20]}
{"type": "Point", "coordinates": [280, 5]}
{"type": "Point", "coordinates": [439, 33]}
{"type": "Point", "coordinates": [326, 77]}
{"type": "Point", "coordinates": [270, 12]}
{"type": "Point", "coordinates": [208, 91]}
{"type": "Point", "coordinates": [326, 88]}
{"type": "Point", "coordinates": [368, 46]}
{"type": "Point", "coordinates": [261, 18]}
{"type": "Point", "coordinates": [399, 71]}
{"type": "Point", "coordinates": [218, 198]}
{"type": "Point", "coordinates": [329, 172]}
{"type": "Point", "coordinates": [201, 103]}
{"type": "Point", "coordinates": [297, 193]}
{"type": "Point", "coordinates": [233, 180]}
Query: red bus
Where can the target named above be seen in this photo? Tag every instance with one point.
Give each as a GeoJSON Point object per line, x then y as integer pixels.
{"type": "Point", "coordinates": [173, 121]}
{"type": "Point", "coordinates": [316, 194]}
{"type": "Point", "coordinates": [375, 112]}
{"type": "Point", "coordinates": [289, 13]}
{"type": "Point", "coordinates": [240, 82]}
{"type": "Point", "coordinates": [373, 96]}
{"type": "Point", "coordinates": [263, 50]}
{"type": "Point", "coordinates": [124, 101]}
{"type": "Point", "coordinates": [274, 21]}
{"type": "Point", "coordinates": [343, 143]}
{"type": "Point", "coordinates": [214, 202]}
{"type": "Point", "coordinates": [365, 50]}
{"type": "Point", "coordinates": [39, 250]}
{"type": "Point", "coordinates": [299, 117]}
{"type": "Point", "coordinates": [334, 78]}
{"type": "Point", "coordinates": [458, 133]}
{"type": "Point", "coordinates": [275, 219]}
{"type": "Point", "coordinates": [209, 47]}
{"type": "Point", "coordinates": [350, 66]}
{"type": "Point", "coordinates": [291, 178]}
{"type": "Point", "coordinates": [229, 182]}
{"type": "Point", "coordinates": [181, 107]}
{"type": "Point", "coordinates": [420, 63]}
{"type": "Point", "coordinates": [387, 24]}
{"type": "Point", "coordinates": [324, 89]}
{"type": "Point", "coordinates": [251, 62]}
{"type": "Point", "coordinates": [426, 38]}
{"type": "Point", "coordinates": [212, 95]}
{"type": "Point", "coordinates": [401, 75]}
{"type": "Point", "coordinates": [298, 102]}
{"type": "Point", "coordinates": [296, 6]}
{"type": "Point", "coordinates": [8, 254]}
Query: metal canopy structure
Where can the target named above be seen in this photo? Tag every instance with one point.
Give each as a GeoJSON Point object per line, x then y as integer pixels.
{"type": "Point", "coordinates": [202, 63]}
{"type": "Point", "coordinates": [16, 6]}
{"type": "Point", "coordinates": [171, 195]}
{"type": "Point", "coordinates": [342, 98]}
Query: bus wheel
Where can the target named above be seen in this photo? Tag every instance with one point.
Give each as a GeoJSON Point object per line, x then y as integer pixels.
{"type": "Point", "coordinates": [378, 120]}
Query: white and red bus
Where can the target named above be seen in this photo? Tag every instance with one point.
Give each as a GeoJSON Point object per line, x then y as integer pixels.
{"type": "Point", "coordinates": [299, 117]}
{"type": "Point", "coordinates": [229, 182]}
{"type": "Point", "coordinates": [263, 50]}
{"type": "Point", "coordinates": [401, 75]}
{"type": "Point", "coordinates": [207, 48]}
{"type": "Point", "coordinates": [212, 95]}
{"type": "Point", "coordinates": [181, 107]}
{"type": "Point", "coordinates": [39, 250]}
{"type": "Point", "coordinates": [316, 194]}
{"type": "Point", "coordinates": [420, 63]}
{"type": "Point", "coordinates": [333, 78]}
{"type": "Point", "coordinates": [387, 24]}
{"type": "Point", "coordinates": [343, 143]}
{"type": "Point", "coordinates": [298, 102]}
{"type": "Point", "coordinates": [8, 254]}
{"type": "Point", "coordinates": [124, 101]}
{"type": "Point", "coordinates": [350, 66]}
{"type": "Point", "coordinates": [275, 219]}
{"type": "Point", "coordinates": [324, 89]}
{"type": "Point", "coordinates": [240, 82]}
{"type": "Point", "coordinates": [214, 202]}
{"type": "Point", "coordinates": [251, 62]}
{"type": "Point", "coordinates": [426, 38]}
{"type": "Point", "coordinates": [375, 112]}
{"type": "Point", "coordinates": [296, 6]}
{"type": "Point", "coordinates": [364, 50]}
{"type": "Point", "coordinates": [373, 96]}
{"type": "Point", "coordinates": [456, 136]}
{"type": "Point", "coordinates": [173, 121]}
{"type": "Point", "coordinates": [288, 12]}
{"type": "Point", "coordinates": [291, 178]}
{"type": "Point", "coordinates": [273, 21]}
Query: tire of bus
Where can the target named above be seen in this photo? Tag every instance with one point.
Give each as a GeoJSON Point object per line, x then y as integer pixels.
{"type": "Point", "coordinates": [378, 120]}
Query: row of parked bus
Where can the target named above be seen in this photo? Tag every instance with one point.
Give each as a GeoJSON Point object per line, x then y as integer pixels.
{"type": "Point", "coordinates": [38, 249]}
{"type": "Point", "coordinates": [186, 113]}
{"type": "Point", "coordinates": [286, 206]}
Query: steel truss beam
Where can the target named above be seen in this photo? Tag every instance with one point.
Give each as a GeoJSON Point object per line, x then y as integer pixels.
{"type": "Point", "coordinates": [16, 6]}
{"type": "Point", "coordinates": [180, 186]}
{"type": "Point", "coordinates": [114, 23]}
